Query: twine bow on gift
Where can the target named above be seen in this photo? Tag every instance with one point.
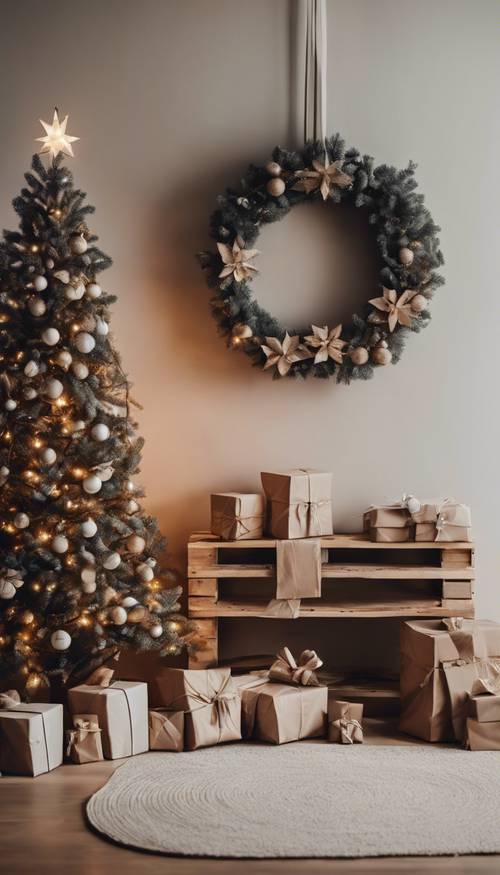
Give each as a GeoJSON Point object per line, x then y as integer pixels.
{"type": "Point", "coordinates": [10, 699]}
{"type": "Point", "coordinates": [80, 731]}
{"type": "Point", "coordinates": [302, 673]}
{"type": "Point", "coordinates": [349, 730]}
{"type": "Point", "coordinates": [101, 677]}
{"type": "Point", "coordinates": [220, 700]}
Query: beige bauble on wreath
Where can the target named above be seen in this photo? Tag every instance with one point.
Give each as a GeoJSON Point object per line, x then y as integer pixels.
{"type": "Point", "coordinates": [359, 355]}
{"type": "Point", "coordinates": [276, 187]}
{"type": "Point", "coordinates": [273, 168]}
{"type": "Point", "coordinates": [418, 303]}
{"type": "Point", "coordinates": [406, 256]}
{"type": "Point", "coordinates": [381, 355]}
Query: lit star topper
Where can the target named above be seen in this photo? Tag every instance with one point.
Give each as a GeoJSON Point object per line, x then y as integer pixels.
{"type": "Point", "coordinates": [57, 140]}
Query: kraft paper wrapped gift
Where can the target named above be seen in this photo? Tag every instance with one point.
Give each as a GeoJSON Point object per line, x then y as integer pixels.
{"type": "Point", "coordinates": [166, 729]}
{"type": "Point", "coordinates": [210, 701]}
{"type": "Point", "coordinates": [236, 516]}
{"type": "Point", "coordinates": [299, 503]}
{"type": "Point", "coordinates": [84, 743]}
{"type": "Point", "coordinates": [482, 736]}
{"type": "Point", "coordinates": [31, 736]}
{"type": "Point", "coordinates": [122, 712]}
{"type": "Point", "coordinates": [279, 713]}
{"type": "Point", "coordinates": [439, 665]}
{"type": "Point", "coordinates": [484, 700]}
{"type": "Point", "coordinates": [344, 721]}
{"type": "Point", "coordinates": [388, 523]}
{"type": "Point", "coordinates": [443, 520]}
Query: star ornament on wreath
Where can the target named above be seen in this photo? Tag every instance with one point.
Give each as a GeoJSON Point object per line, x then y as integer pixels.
{"type": "Point", "coordinates": [408, 256]}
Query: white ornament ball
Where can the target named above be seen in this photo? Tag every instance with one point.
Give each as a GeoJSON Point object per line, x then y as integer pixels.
{"type": "Point", "coordinates": [156, 631]}
{"type": "Point", "coordinates": [418, 303]}
{"type": "Point", "coordinates": [132, 506]}
{"type": "Point", "coordinates": [51, 336]}
{"type": "Point", "coordinates": [413, 504]}
{"type": "Point", "coordinates": [10, 404]}
{"type": "Point", "coordinates": [7, 589]}
{"type": "Point", "coordinates": [129, 601]}
{"type": "Point", "coordinates": [112, 561]}
{"type": "Point", "coordinates": [78, 244]}
{"type": "Point", "coordinates": [94, 291]}
{"type": "Point", "coordinates": [273, 168]}
{"type": "Point", "coordinates": [101, 326]}
{"type": "Point", "coordinates": [275, 187]}
{"type": "Point", "coordinates": [29, 393]}
{"type": "Point", "coordinates": [59, 544]}
{"type": "Point", "coordinates": [75, 293]}
{"type": "Point", "coordinates": [48, 455]}
{"type": "Point", "coordinates": [37, 306]}
{"type": "Point", "coordinates": [406, 256]}
{"type": "Point", "coordinates": [100, 431]}
{"type": "Point", "coordinates": [145, 571]}
{"type": "Point", "coordinates": [60, 640]}
{"type": "Point", "coordinates": [80, 370]}
{"type": "Point", "coordinates": [88, 576]}
{"type": "Point", "coordinates": [88, 528]}
{"type": "Point", "coordinates": [106, 474]}
{"type": "Point", "coordinates": [135, 544]}
{"type": "Point", "coordinates": [92, 484]}
{"type": "Point", "coordinates": [54, 388]}
{"type": "Point", "coordinates": [40, 283]}
{"type": "Point", "coordinates": [64, 359]}
{"type": "Point", "coordinates": [31, 368]}
{"type": "Point", "coordinates": [84, 342]}
{"type": "Point", "coordinates": [21, 520]}
{"type": "Point", "coordinates": [49, 263]}
{"type": "Point", "coordinates": [119, 616]}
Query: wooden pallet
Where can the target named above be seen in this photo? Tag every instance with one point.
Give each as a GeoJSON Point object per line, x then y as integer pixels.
{"type": "Point", "coordinates": [442, 571]}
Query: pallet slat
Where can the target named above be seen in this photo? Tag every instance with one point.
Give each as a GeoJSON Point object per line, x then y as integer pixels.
{"type": "Point", "coordinates": [428, 608]}
{"type": "Point", "coordinates": [358, 541]}
{"type": "Point", "coordinates": [342, 572]}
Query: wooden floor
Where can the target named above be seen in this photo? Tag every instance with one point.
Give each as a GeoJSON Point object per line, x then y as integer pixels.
{"type": "Point", "coordinates": [42, 831]}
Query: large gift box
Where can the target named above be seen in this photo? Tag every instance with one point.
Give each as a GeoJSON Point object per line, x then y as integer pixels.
{"type": "Point", "coordinates": [122, 712]}
{"type": "Point", "coordinates": [31, 736]}
{"type": "Point", "coordinates": [444, 520]}
{"type": "Point", "coordinates": [236, 516]}
{"type": "Point", "coordinates": [439, 665]}
{"type": "Point", "coordinates": [84, 743]}
{"type": "Point", "coordinates": [483, 724]}
{"type": "Point", "coordinates": [299, 503]}
{"type": "Point", "coordinates": [166, 729]}
{"type": "Point", "coordinates": [388, 523]}
{"type": "Point", "coordinates": [344, 720]}
{"type": "Point", "coordinates": [279, 713]}
{"type": "Point", "coordinates": [209, 699]}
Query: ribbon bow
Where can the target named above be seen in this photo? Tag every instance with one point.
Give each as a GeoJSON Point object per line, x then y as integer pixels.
{"type": "Point", "coordinates": [10, 699]}
{"type": "Point", "coordinates": [349, 730]}
{"type": "Point", "coordinates": [101, 677]}
{"type": "Point", "coordinates": [79, 733]}
{"type": "Point", "coordinates": [288, 671]}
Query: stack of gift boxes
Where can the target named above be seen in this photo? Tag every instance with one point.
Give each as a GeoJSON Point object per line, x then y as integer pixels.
{"type": "Point", "coordinates": [450, 669]}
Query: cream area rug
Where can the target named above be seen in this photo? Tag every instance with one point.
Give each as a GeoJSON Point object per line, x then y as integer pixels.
{"type": "Point", "coordinates": [304, 800]}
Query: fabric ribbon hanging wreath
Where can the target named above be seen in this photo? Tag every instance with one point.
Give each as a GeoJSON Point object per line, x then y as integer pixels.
{"type": "Point", "coordinates": [324, 170]}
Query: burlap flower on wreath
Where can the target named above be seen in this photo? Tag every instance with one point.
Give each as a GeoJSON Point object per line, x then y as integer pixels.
{"type": "Point", "coordinates": [236, 260]}
{"type": "Point", "coordinates": [322, 176]}
{"type": "Point", "coordinates": [284, 353]}
{"type": "Point", "coordinates": [327, 343]}
{"type": "Point", "coordinates": [397, 309]}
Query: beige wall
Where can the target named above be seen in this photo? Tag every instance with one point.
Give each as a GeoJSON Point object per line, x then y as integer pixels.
{"type": "Point", "coordinates": [171, 101]}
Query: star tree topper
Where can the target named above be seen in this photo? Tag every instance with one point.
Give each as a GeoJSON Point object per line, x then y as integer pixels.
{"type": "Point", "coordinates": [57, 140]}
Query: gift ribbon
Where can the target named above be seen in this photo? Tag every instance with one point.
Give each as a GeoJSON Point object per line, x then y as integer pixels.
{"type": "Point", "coordinates": [350, 730]}
{"type": "Point", "coordinates": [219, 700]}
{"type": "Point", "coordinates": [226, 521]}
{"type": "Point", "coordinates": [161, 726]}
{"type": "Point", "coordinates": [287, 670]}
{"type": "Point", "coordinates": [306, 512]}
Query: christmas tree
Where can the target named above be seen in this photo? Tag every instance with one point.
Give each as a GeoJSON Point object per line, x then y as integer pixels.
{"type": "Point", "coordinates": [79, 570]}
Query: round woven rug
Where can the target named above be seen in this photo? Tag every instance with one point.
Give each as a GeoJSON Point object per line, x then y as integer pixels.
{"type": "Point", "coordinates": [304, 800]}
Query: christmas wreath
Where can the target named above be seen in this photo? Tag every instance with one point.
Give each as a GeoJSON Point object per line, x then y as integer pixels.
{"type": "Point", "coordinates": [408, 254]}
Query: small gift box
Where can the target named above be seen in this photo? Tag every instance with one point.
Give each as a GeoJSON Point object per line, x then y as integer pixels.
{"type": "Point", "coordinates": [166, 729]}
{"type": "Point", "coordinates": [122, 711]}
{"type": "Point", "coordinates": [444, 520]}
{"type": "Point", "coordinates": [84, 743]}
{"type": "Point", "coordinates": [440, 661]}
{"type": "Point", "coordinates": [31, 736]}
{"type": "Point", "coordinates": [279, 713]}
{"type": "Point", "coordinates": [388, 523]}
{"type": "Point", "coordinates": [484, 699]}
{"type": "Point", "coordinates": [236, 516]}
{"type": "Point", "coordinates": [482, 736]}
{"type": "Point", "coordinates": [210, 701]}
{"type": "Point", "coordinates": [344, 721]}
{"type": "Point", "coordinates": [299, 503]}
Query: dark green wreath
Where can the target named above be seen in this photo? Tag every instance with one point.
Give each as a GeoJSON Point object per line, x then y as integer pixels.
{"type": "Point", "coordinates": [408, 253]}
